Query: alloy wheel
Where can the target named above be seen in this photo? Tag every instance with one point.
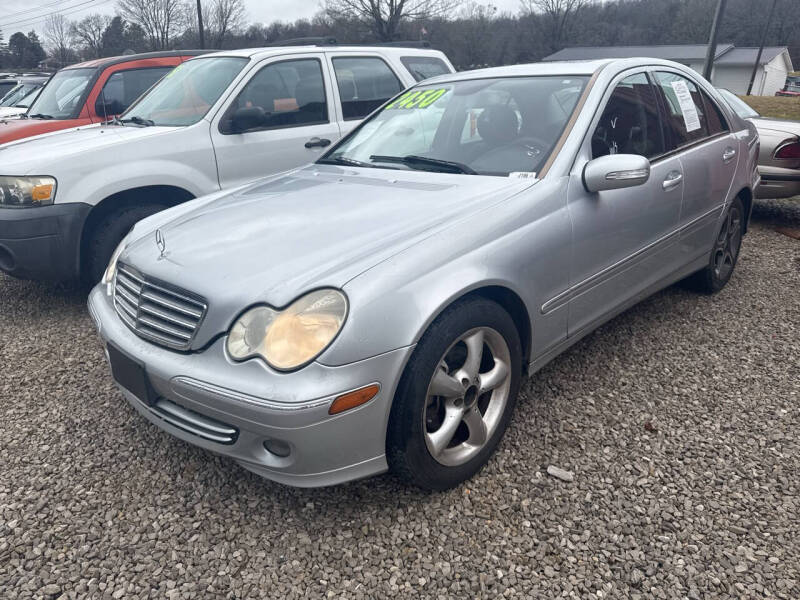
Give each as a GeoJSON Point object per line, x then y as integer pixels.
{"type": "Point", "coordinates": [467, 396]}
{"type": "Point", "coordinates": [726, 248]}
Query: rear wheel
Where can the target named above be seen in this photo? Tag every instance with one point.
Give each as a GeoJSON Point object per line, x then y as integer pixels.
{"type": "Point", "coordinates": [108, 234]}
{"type": "Point", "coordinates": [725, 253]}
{"type": "Point", "coordinates": [456, 396]}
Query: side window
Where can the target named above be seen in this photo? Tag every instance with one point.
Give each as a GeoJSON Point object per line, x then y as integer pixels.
{"type": "Point", "coordinates": [630, 123]}
{"type": "Point", "coordinates": [124, 87]}
{"type": "Point", "coordinates": [716, 121]}
{"type": "Point", "coordinates": [290, 93]}
{"type": "Point", "coordinates": [364, 84]}
{"type": "Point", "coordinates": [424, 67]}
{"type": "Point", "coordinates": [686, 115]}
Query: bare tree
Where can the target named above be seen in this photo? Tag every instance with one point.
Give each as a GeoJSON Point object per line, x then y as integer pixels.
{"type": "Point", "coordinates": [556, 16]}
{"type": "Point", "coordinates": [89, 33]}
{"type": "Point", "coordinates": [161, 20]}
{"type": "Point", "coordinates": [384, 17]}
{"type": "Point", "coordinates": [58, 37]}
{"type": "Point", "coordinates": [223, 17]}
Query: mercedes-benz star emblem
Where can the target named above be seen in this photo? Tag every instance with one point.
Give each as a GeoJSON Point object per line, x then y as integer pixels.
{"type": "Point", "coordinates": [161, 243]}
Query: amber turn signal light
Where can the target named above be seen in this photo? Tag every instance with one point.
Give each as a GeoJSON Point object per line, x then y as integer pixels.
{"type": "Point", "coordinates": [354, 399]}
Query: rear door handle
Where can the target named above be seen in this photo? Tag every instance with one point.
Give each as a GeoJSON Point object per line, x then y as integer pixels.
{"type": "Point", "coordinates": [316, 142]}
{"type": "Point", "coordinates": [728, 155]}
{"type": "Point", "coordinates": [672, 181]}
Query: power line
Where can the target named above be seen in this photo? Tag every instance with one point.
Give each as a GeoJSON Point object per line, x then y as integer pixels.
{"type": "Point", "coordinates": [32, 9]}
{"type": "Point", "coordinates": [27, 22]}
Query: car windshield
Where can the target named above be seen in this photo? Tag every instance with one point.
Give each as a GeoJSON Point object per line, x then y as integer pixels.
{"type": "Point", "coordinates": [18, 94]}
{"type": "Point", "coordinates": [186, 93]}
{"type": "Point", "coordinates": [494, 126]}
{"type": "Point", "coordinates": [61, 97]}
{"type": "Point", "coordinates": [739, 106]}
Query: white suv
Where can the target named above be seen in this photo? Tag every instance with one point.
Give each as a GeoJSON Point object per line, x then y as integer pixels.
{"type": "Point", "coordinates": [217, 121]}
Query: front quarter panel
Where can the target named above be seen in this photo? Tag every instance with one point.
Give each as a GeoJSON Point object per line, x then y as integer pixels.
{"type": "Point", "coordinates": [521, 244]}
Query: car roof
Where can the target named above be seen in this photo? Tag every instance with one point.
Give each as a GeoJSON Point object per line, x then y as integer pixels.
{"type": "Point", "coordinates": [259, 53]}
{"type": "Point", "coordinates": [565, 68]}
{"type": "Point", "coordinates": [115, 60]}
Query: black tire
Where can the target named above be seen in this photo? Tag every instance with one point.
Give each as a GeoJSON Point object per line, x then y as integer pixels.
{"type": "Point", "coordinates": [108, 234]}
{"type": "Point", "coordinates": [407, 453]}
{"type": "Point", "coordinates": [725, 253]}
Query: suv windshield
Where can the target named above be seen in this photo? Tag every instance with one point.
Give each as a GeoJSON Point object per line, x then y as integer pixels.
{"type": "Point", "coordinates": [492, 126]}
{"type": "Point", "coordinates": [61, 97]}
{"type": "Point", "coordinates": [739, 106]}
{"type": "Point", "coordinates": [186, 93]}
{"type": "Point", "coordinates": [19, 93]}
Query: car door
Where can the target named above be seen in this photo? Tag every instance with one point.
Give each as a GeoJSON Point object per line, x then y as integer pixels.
{"type": "Point", "coordinates": [624, 240]}
{"type": "Point", "coordinates": [293, 95]}
{"type": "Point", "coordinates": [708, 154]}
{"type": "Point", "coordinates": [363, 83]}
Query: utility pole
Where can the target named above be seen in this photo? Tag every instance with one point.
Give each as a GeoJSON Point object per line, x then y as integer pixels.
{"type": "Point", "coordinates": [711, 53]}
{"type": "Point", "coordinates": [761, 47]}
{"type": "Point", "coordinates": [200, 25]}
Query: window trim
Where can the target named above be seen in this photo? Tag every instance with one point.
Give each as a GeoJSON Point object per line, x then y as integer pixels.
{"type": "Point", "coordinates": [100, 92]}
{"type": "Point", "coordinates": [333, 59]}
{"type": "Point", "coordinates": [257, 72]}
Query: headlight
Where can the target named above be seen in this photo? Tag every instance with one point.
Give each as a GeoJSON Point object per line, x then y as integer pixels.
{"type": "Point", "coordinates": [292, 337]}
{"type": "Point", "coordinates": [111, 269]}
{"type": "Point", "coordinates": [21, 192]}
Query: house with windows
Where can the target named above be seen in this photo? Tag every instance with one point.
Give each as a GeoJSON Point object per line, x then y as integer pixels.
{"type": "Point", "coordinates": [732, 66]}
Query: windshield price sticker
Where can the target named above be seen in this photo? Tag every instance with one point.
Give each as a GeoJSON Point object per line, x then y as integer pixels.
{"type": "Point", "coordinates": [690, 117]}
{"type": "Point", "coordinates": [417, 99]}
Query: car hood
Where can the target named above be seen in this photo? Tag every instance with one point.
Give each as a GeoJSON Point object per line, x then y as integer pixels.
{"type": "Point", "coordinates": [45, 150]}
{"type": "Point", "coordinates": [779, 125]}
{"type": "Point", "coordinates": [11, 111]}
{"type": "Point", "coordinates": [320, 226]}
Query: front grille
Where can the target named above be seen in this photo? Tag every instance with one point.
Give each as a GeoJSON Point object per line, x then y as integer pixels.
{"type": "Point", "coordinates": [157, 311]}
{"type": "Point", "coordinates": [195, 423]}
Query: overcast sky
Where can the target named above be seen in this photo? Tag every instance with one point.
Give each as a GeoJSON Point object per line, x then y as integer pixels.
{"type": "Point", "coordinates": [24, 15]}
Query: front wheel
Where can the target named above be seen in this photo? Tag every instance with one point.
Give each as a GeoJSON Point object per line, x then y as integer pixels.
{"type": "Point", "coordinates": [725, 253]}
{"type": "Point", "coordinates": [456, 396]}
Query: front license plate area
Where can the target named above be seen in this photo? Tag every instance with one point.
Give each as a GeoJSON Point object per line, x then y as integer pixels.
{"type": "Point", "coordinates": [131, 375]}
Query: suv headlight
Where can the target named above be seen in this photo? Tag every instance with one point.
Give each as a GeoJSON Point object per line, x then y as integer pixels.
{"type": "Point", "coordinates": [22, 192]}
{"type": "Point", "coordinates": [290, 338]}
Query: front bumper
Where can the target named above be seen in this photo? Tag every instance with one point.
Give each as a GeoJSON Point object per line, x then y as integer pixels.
{"type": "Point", "coordinates": [42, 242]}
{"type": "Point", "coordinates": [262, 405]}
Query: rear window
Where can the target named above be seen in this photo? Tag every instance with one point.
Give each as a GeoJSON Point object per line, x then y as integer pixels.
{"type": "Point", "coordinates": [425, 67]}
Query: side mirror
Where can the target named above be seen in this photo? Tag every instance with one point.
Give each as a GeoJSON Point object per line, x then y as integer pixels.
{"type": "Point", "coordinates": [615, 171]}
{"type": "Point", "coordinates": [246, 118]}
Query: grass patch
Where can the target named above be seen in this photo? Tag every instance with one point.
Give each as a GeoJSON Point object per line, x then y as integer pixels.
{"type": "Point", "coordinates": [775, 106]}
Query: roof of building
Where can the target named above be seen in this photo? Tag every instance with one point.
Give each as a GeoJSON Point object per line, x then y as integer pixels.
{"type": "Point", "coordinates": [727, 54]}
{"type": "Point", "coordinates": [747, 56]}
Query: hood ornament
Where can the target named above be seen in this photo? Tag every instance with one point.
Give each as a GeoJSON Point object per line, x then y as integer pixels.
{"type": "Point", "coordinates": [161, 243]}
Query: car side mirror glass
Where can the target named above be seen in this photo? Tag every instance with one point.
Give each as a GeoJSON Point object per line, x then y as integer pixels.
{"type": "Point", "coordinates": [615, 171]}
{"type": "Point", "coordinates": [246, 118]}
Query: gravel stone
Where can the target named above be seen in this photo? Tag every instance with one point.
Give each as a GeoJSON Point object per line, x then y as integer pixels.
{"type": "Point", "coordinates": [560, 473]}
{"type": "Point", "coordinates": [97, 503]}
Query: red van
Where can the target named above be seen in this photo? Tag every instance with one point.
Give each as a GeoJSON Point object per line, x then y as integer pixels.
{"type": "Point", "coordinates": [92, 92]}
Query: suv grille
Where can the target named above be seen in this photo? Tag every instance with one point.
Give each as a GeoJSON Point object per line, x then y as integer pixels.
{"type": "Point", "coordinates": [157, 311]}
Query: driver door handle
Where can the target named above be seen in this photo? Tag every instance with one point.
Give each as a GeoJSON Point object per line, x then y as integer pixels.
{"type": "Point", "coordinates": [728, 155]}
{"type": "Point", "coordinates": [672, 180]}
{"type": "Point", "coordinates": [316, 142]}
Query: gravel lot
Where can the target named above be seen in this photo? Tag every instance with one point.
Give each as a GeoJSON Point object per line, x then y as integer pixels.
{"type": "Point", "coordinates": [679, 420]}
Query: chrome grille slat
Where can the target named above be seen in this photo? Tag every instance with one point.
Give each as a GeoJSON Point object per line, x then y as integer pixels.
{"type": "Point", "coordinates": [156, 311]}
{"type": "Point", "coordinates": [195, 423]}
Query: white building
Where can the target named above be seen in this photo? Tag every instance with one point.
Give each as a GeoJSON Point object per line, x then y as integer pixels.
{"type": "Point", "coordinates": [732, 66]}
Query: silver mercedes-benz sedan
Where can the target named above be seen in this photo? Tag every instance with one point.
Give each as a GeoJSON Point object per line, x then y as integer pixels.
{"type": "Point", "coordinates": [377, 310]}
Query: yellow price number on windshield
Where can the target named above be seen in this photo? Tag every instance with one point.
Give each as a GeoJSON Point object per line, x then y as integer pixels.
{"type": "Point", "coordinates": [417, 99]}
